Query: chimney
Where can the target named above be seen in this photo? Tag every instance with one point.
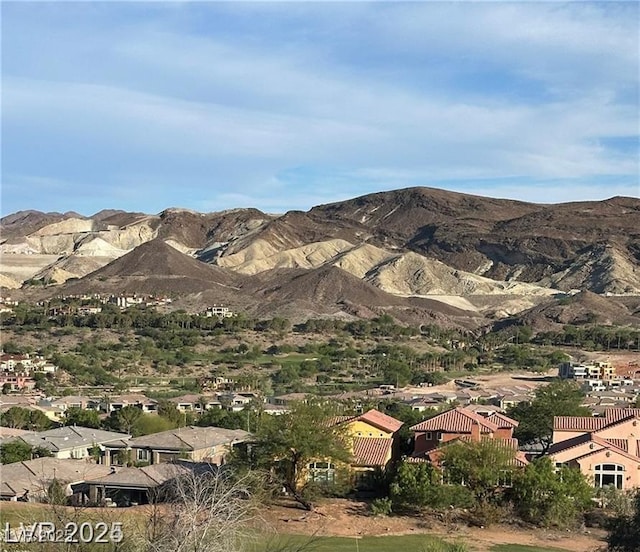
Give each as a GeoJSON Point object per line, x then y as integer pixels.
{"type": "Point", "coordinates": [475, 431]}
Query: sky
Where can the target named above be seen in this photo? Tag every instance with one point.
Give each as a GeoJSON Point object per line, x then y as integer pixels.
{"type": "Point", "coordinates": [208, 106]}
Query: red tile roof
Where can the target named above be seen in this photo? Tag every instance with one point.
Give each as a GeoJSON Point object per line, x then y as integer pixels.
{"type": "Point", "coordinates": [373, 417]}
{"type": "Point", "coordinates": [371, 451]}
{"type": "Point", "coordinates": [519, 459]}
{"type": "Point", "coordinates": [502, 421]}
{"type": "Point", "coordinates": [378, 419]}
{"type": "Point", "coordinates": [578, 423]}
{"type": "Point", "coordinates": [611, 417]}
{"type": "Point", "coordinates": [611, 444]}
{"type": "Point", "coordinates": [458, 420]}
{"type": "Point", "coordinates": [620, 443]}
{"type": "Point", "coordinates": [617, 414]}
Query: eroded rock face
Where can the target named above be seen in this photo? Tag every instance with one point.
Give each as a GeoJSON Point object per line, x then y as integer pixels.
{"type": "Point", "coordinates": [407, 245]}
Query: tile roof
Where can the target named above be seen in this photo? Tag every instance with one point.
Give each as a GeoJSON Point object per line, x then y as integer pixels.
{"type": "Point", "coordinates": [373, 417]}
{"type": "Point", "coordinates": [612, 416]}
{"type": "Point", "coordinates": [458, 420]}
{"type": "Point", "coordinates": [147, 477]}
{"type": "Point", "coordinates": [11, 432]}
{"type": "Point", "coordinates": [371, 451]}
{"type": "Point", "coordinates": [519, 458]}
{"type": "Point", "coordinates": [68, 437]}
{"type": "Point", "coordinates": [190, 438]}
{"type": "Point", "coordinates": [502, 421]}
{"type": "Point", "coordinates": [383, 421]}
{"type": "Point", "coordinates": [35, 475]}
{"type": "Point", "coordinates": [612, 444]}
{"type": "Point", "coordinates": [578, 423]}
{"type": "Point", "coordinates": [620, 443]}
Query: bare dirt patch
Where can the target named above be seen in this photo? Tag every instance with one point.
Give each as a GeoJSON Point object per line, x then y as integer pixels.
{"type": "Point", "coordinates": [348, 518]}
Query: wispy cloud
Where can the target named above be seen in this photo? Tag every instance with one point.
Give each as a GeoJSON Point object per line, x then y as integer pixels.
{"type": "Point", "coordinates": [289, 104]}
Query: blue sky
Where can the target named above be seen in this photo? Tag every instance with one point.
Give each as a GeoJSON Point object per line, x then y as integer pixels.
{"type": "Point", "coordinates": [209, 106]}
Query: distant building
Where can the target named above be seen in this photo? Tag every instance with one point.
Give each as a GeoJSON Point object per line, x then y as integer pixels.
{"type": "Point", "coordinates": [595, 371]}
{"type": "Point", "coordinates": [70, 441]}
{"type": "Point", "coordinates": [219, 311]}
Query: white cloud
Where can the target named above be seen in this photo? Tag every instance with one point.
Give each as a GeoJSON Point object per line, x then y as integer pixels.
{"type": "Point", "coordinates": [246, 110]}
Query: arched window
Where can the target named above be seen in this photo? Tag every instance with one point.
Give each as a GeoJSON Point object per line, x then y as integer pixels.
{"type": "Point", "coordinates": [609, 475]}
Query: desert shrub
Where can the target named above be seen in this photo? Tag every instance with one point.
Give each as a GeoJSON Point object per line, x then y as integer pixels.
{"type": "Point", "coordinates": [381, 507]}
{"type": "Point", "coordinates": [442, 546]}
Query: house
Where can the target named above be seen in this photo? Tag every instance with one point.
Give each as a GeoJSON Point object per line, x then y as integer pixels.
{"type": "Point", "coordinates": [605, 449]}
{"type": "Point", "coordinates": [29, 481]}
{"type": "Point", "coordinates": [133, 486]}
{"type": "Point", "coordinates": [11, 432]}
{"type": "Point", "coordinates": [72, 401]}
{"type": "Point", "coordinates": [200, 444]}
{"type": "Point", "coordinates": [17, 381]}
{"type": "Point", "coordinates": [288, 399]}
{"type": "Point", "coordinates": [236, 402]}
{"type": "Point", "coordinates": [71, 441]}
{"type": "Point", "coordinates": [143, 402]}
{"type": "Point", "coordinates": [374, 447]}
{"type": "Point", "coordinates": [458, 423]}
{"type": "Point", "coordinates": [196, 403]}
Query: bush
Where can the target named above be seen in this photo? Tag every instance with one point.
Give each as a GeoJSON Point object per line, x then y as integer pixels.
{"type": "Point", "coordinates": [381, 507]}
{"type": "Point", "coordinates": [442, 546]}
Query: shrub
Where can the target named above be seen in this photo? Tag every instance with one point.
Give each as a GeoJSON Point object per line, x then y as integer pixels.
{"type": "Point", "coordinates": [381, 507]}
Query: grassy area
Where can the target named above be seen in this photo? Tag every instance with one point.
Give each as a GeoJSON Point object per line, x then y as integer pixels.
{"type": "Point", "coordinates": [523, 548]}
{"type": "Point", "coordinates": [300, 543]}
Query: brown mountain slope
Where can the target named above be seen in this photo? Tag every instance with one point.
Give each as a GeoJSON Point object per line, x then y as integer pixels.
{"type": "Point", "coordinates": [20, 224]}
{"type": "Point", "coordinates": [329, 290]}
{"type": "Point", "coordinates": [496, 238]}
{"type": "Point", "coordinates": [155, 267]}
{"type": "Point", "coordinates": [582, 308]}
{"type": "Point", "coordinates": [198, 230]}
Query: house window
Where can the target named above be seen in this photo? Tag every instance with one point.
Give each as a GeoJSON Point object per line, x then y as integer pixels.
{"type": "Point", "coordinates": [439, 435]}
{"type": "Point", "coordinates": [322, 472]}
{"type": "Point", "coordinates": [609, 475]}
{"type": "Point", "coordinates": [505, 478]}
{"type": "Point", "coordinates": [428, 436]}
{"type": "Point", "coordinates": [142, 455]}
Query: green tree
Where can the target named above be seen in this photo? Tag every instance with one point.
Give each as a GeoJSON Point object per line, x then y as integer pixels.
{"type": "Point", "coordinates": [81, 417]}
{"type": "Point", "coordinates": [624, 530]}
{"type": "Point", "coordinates": [24, 418]}
{"type": "Point", "coordinates": [545, 496]}
{"type": "Point", "coordinates": [170, 412]}
{"type": "Point", "coordinates": [417, 486]}
{"type": "Point", "coordinates": [560, 398]}
{"type": "Point", "coordinates": [150, 423]}
{"type": "Point", "coordinates": [291, 441]}
{"type": "Point", "coordinates": [483, 467]}
{"type": "Point", "coordinates": [14, 451]}
{"type": "Point", "coordinates": [124, 419]}
{"type": "Point", "coordinates": [15, 418]}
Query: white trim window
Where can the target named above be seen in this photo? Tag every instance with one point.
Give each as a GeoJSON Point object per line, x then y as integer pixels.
{"type": "Point", "coordinates": [322, 472]}
{"type": "Point", "coordinates": [142, 455]}
{"type": "Point", "coordinates": [609, 475]}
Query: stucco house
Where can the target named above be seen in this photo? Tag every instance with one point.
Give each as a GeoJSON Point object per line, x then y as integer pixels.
{"type": "Point", "coordinates": [374, 447]}
{"type": "Point", "coordinates": [71, 441]}
{"type": "Point", "coordinates": [606, 449]}
{"type": "Point", "coordinates": [30, 481]}
{"type": "Point", "coordinates": [200, 444]}
{"type": "Point", "coordinates": [460, 423]}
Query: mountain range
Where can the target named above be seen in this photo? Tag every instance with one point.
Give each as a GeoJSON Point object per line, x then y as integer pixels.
{"type": "Point", "coordinates": [424, 255]}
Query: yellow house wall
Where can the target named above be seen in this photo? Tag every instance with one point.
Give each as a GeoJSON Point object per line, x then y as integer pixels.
{"type": "Point", "coordinates": [362, 429]}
